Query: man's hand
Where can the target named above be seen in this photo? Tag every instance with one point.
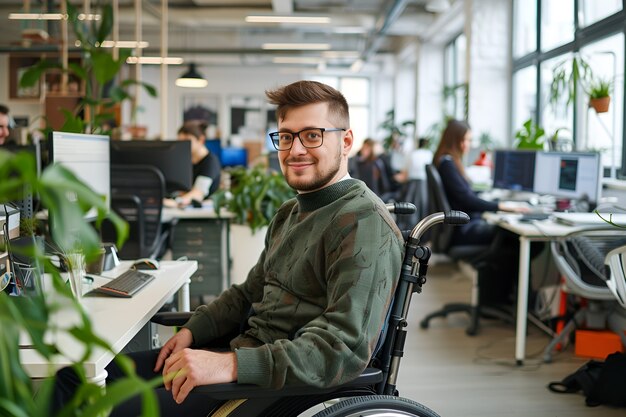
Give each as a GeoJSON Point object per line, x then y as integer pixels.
{"type": "Point", "coordinates": [189, 368]}
{"type": "Point", "coordinates": [181, 340]}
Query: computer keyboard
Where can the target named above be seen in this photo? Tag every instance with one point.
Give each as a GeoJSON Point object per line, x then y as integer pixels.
{"type": "Point", "coordinates": [125, 285]}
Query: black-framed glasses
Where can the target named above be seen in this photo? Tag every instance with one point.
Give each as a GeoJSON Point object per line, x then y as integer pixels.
{"type": "Point", "coordinates": [311, 137]}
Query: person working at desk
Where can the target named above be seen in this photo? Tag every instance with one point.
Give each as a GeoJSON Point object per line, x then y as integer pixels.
{"type": "Point", "coordinates": [448, 159]}
{"type": "Point", "coordinates": [320, 289]}
{"type": "Point", "coordinates": [206, 167]}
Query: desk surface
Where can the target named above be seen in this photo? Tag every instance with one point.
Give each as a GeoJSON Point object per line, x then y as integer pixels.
{"type": "Point", "coordinates": [538, 228]}
{"type": "Point", "coordinates": [116, 320]}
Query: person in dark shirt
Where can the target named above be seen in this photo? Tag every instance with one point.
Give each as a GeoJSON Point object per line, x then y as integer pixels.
{"type": "Point", "coordinates": [498, 279]}
{"type": "Point", "coordinates": [206, 166]}
{"type": "Point", "coordinates": [455, 142]}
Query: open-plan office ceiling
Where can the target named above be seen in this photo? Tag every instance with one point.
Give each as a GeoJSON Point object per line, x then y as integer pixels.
{"type": "Point", "coordinates": [233, 32]}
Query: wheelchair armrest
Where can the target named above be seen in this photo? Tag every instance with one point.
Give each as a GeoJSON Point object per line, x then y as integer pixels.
{"type": "Point", "coordinates": [171, 318]}
{"type": "Point", "coordinates": [231, 391]}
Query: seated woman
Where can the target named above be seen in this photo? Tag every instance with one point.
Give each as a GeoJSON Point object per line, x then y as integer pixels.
{"type": "Point", "coordinates": [206, 167]}
{"type": "Point", "coordinates": [455, 142]}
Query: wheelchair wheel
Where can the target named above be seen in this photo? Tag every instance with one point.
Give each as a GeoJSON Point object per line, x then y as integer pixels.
{"type": "Point", "coordinates": [377, 405]}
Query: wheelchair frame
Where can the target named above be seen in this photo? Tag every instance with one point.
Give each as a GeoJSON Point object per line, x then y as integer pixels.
{"type": "Point", "coordinates": [374, 392]}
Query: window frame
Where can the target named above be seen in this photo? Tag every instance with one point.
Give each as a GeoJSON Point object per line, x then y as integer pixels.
{"type": "Point", "coordinates": [583, 36]}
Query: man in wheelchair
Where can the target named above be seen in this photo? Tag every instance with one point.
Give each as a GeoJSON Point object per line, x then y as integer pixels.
{"type": "Point", "coordinates": [314, 304]}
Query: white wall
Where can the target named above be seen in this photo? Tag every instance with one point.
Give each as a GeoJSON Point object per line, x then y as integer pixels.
{"type": "Point", "coordinates": [488, 39]}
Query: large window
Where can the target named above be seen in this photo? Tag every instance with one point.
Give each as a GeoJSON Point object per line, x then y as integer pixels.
{"type": "Point", "coordinates": [455, 82]}
{"type": "Point", "coordinates": [590, 30]}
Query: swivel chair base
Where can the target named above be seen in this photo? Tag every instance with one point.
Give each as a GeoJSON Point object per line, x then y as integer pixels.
{"type": "Point", "coordinates": [474, 312]}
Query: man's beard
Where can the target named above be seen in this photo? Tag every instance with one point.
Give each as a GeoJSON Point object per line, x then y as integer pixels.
{"type": "Point", "coordinates": [316, 183]}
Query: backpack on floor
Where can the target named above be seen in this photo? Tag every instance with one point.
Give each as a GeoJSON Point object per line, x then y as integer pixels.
{"type": "Point", "coordinates": [601, 382]}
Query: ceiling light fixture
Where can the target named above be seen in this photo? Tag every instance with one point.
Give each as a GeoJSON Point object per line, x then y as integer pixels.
{"type": "Point", "coordinates": [125, 44]}
{"type": "Point", "coordinates": [51, 16]}
{"type": "Point", "coordinates": [289, 19]}
{"type": "Point", "coordinates": [297, 46]}
{"type": "Point", "coordinates": [357, 65]}
{"type": "Point", "coordinates": [154, 60]}
{"type": "Point", "coordinates": [296, 60]}
{"type": "Point", "coordinates": [192, 78]}
{"type": "Point", "coordinates": [437, 6]}
{"type": "Point", "coordinates": [37, 16]}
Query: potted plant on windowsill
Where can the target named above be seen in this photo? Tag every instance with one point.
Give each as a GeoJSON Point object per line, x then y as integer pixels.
{"type": "Point", "coordinates": [253, 198]}
{"type": "Point", "coordinates": [600, 94]}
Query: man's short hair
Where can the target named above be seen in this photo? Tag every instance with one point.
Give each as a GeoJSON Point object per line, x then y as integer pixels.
{"type": "Point", "coordinates": [194, 129]}
{"type": "Point", "coordinates": [4, 109]}
{"type": "Point", "coordinates": [301, 93]}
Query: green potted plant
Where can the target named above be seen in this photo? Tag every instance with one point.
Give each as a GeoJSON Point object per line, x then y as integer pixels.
{"type": "Point", "coordinates": [254, 196]}
{"type": "Point", "coordinates": [530, 136]}
{"type": "Point", "coordinates": [97, 71]}
{"type": "Point", "coordinates": [567, 76]}
{"type": "Point", "coordinates": [394, 131]}
{"type": "Point", "coordinates": [600, 94]}
{"type": "Point", "coordinates": [33, 314]}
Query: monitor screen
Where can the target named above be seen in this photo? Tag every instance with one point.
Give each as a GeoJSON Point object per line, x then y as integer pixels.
{"type": "Point", "coordinates": [87, 156]}
{"type": "Point", "coordinates": [171, 157]}
{"type": "Point", "coordinates": [232, 157]}
{"type": "Point", "coordinates": [26, 204]}
{"type": "Point", "coordinates": [514, 170]}
{"type": "Point", "coordinates": [568, 174]}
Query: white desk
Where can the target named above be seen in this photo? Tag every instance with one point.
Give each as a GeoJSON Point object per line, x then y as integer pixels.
{"type": "Point", "coordinates": [116, 320]}
{"type": "Point", "coordinates": [537, 231]}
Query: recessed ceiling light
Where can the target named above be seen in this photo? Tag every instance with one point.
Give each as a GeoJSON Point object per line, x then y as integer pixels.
{"type": "Point", "coordinates": [125, 44]}
{"type": "Point", "coordinates": [297, 46]}
{"type": "Point", "coordinates": [296, 60]}
{"type": "Point", "coordinates": [37, 16]}
{"type": "Point", "coordinates": [288, 19]}
{"type": "Point", "coordinates": [154, 60]}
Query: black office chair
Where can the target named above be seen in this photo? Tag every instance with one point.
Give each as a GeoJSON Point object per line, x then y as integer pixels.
{"type": "Point", "coordinates": [137, 193]}
{"type": "Point", "coordinates": [375, 390]}
{"type": "Point", "coordinates": [474, 255]}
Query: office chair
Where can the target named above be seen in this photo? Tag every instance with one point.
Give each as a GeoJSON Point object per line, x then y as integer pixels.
{"type": "Point", "coordinates": [474, 256]}
{"type": "Point", "coordinates": [582, 258]}
{"type": "Point", "coordinates": [375, 390]}
{"type": "Point", "coordinates": [137, 193]}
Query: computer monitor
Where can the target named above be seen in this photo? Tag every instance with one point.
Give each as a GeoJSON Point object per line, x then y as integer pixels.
{"type": "Point", "coordinates": [26, 203]}
{"type": "Point", "coordinates": [232, 157]}
{"type": "Point", "coordinates": [87, 156]}
{"type": "Point", "coordinates": [514, 170]}
{"type": "Point", "coordinates": [214, 146]}
{"type": "Point", "coordinates": [171, 157]}
{"type": "Point", "coordinates": [573, 175]}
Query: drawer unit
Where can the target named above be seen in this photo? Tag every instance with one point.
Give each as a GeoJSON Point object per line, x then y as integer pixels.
{"type": "Point", "coordinates": [205, 241]}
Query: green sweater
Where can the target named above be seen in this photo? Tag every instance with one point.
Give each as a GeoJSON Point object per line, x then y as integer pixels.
{"type": "Point", "coordinates": [320, 291]}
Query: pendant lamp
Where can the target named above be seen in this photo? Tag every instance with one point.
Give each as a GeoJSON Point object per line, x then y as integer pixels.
{"type": "Point", "coordinates": [192, 78]}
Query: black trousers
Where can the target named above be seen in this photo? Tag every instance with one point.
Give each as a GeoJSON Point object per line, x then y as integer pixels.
{"type": "Point", "coordinates": [67, 383]}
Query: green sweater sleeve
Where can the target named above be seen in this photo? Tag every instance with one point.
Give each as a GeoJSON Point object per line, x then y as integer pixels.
{"type": "Point", "coordinates": [363, 260]}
